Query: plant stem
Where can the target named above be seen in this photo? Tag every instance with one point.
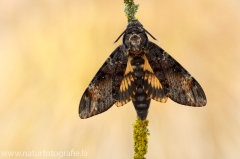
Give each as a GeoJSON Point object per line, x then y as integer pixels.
{"type": "Point", "coordinates": [130, 9]}
{"type": "Point", "coordinates": [140, 136]}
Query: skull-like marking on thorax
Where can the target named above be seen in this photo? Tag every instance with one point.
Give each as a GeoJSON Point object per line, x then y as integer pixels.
{"type": "Point", "coordinates": [135, 42]}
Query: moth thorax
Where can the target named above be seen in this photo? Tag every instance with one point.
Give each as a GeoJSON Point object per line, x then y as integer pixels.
{"type": "Point", "coordinates": [135, 42]}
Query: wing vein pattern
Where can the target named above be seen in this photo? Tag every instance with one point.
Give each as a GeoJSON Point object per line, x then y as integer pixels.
{"type": "Point", "coordinates": [103, 90]}
{"type": "Point", "coordinates": [176, 82]}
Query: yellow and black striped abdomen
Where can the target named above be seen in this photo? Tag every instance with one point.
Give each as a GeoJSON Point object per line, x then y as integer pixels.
{"type": "Point", "coordinates": [141, 100]}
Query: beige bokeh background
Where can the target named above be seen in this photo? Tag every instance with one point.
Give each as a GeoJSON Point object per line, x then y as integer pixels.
{"type": "Point", "coordinates": [51, 49]}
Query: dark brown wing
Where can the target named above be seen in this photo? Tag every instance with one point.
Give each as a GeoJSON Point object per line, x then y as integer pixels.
{"type": "Point", "coordinates": [151, 84]}
{"type": "Point", "coordinates": [177, 83]}
{"type": "Point", "coordinates": [103, 89]}
{"type": "Point", "coordinates": [127, 88]}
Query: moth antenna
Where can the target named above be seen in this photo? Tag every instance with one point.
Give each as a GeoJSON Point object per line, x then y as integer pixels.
{"type": "Point", "coordinates": [119, 36]}
{"type": "Point", "coordinates": [151, 35]}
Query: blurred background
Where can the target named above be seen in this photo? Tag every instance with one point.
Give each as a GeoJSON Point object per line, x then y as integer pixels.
{"type": "Point", "coordinates": [51, 49]}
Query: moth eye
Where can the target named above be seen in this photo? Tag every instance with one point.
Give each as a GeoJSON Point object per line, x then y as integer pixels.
{"type": "Point", "coordinates": [133, 42]}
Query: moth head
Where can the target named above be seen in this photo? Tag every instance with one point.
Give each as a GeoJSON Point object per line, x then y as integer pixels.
{"type": "Point", "coordinates": [135, 42]}
{"type": "Point", "coordinates": [134, 26]}
{"type": "Point", "coordinates": [134, 23]}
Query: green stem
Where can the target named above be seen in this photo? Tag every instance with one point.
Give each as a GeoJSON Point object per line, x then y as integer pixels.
{"type": "Point", "coordinates": [140, 136]}
{"type": "Point", "coordinates": [130, 9]}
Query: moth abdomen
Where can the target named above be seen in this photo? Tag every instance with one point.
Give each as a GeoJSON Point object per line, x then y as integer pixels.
{"type": "Point", "coordinates": [141, 102]}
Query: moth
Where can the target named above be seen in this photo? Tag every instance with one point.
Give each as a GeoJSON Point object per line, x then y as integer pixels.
{"type": "Point", "coordinates": [139, 70]}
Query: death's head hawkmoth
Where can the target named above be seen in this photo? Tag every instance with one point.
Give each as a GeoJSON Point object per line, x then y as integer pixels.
{"type": "Point", "coordinates": [139, 70]}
